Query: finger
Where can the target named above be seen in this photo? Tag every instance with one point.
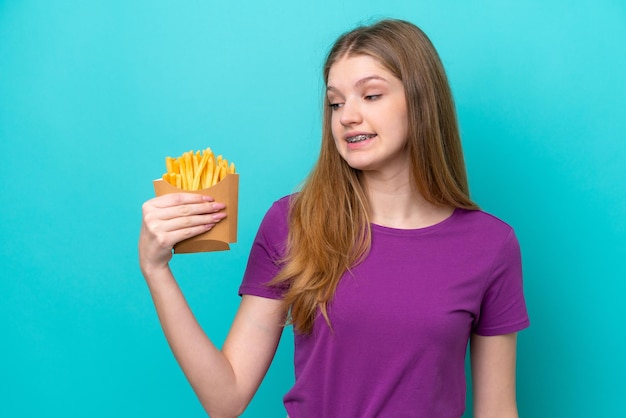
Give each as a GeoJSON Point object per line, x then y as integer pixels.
{"type": "Point", "coordinates": [184, 211]}
{"type": "Point", "coordinates": [174, 199]}
{"type": "Point", "coordinates": [169, 232]}
{"type": "Point", "coordinates": [176, 236]}
{"type": "Point", "coordinates": [181, 211]}
{"type": "Point", "coordinates": [188, 222]}
{"type": "Point", "coordinates": [160, 243]}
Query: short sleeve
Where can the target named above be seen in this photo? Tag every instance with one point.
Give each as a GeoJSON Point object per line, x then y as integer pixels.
{"type": "Point", "coordinates": [503, 307]}
{"type": "Point", "coordinates": [267, 251]}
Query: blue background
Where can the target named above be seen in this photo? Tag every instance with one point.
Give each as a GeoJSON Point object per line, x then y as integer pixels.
{"type": "Point", "coordinates": [94, 95]}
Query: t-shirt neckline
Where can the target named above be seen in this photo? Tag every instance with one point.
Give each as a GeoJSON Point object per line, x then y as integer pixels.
{"type": "Point", "coordinates": [415, 231]}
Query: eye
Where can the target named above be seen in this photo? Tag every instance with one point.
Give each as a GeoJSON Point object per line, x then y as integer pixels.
{"type": "Point", "coordinates": [372, 97]}
{"type": "Point", "coordinates": [334, 106]}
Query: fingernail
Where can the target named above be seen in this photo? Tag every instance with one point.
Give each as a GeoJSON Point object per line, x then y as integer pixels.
{"type": "Point", "coordinates": [219, 216]}
{"type": "Point", "coordinates": [218, 206]}
{"type": "Point", "coordinates": [207, 198]}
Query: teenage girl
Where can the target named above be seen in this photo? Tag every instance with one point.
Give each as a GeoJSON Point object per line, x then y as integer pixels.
{"type": "Point", "coordinates": [381, 262]}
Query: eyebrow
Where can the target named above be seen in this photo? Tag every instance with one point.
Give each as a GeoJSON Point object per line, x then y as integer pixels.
{"type": "Point", "coordinates": [360, 82]}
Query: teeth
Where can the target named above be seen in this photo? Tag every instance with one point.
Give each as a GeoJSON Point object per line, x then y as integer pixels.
{"type": "Point", "coordinates": [359, 138]}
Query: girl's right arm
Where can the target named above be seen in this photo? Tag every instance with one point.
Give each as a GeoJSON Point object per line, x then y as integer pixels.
{"type": "Point", "coordinates": [224, 380]}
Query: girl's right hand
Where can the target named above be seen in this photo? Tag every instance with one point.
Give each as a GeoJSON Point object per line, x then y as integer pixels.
{"type": "Point", "coordinates": [172, 218]}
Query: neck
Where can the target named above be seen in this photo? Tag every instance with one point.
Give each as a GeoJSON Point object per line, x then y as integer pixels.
{"type": "Point", "coordinates": [395, 202]}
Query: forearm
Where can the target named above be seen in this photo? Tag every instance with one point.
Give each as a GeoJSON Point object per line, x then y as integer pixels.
{"type": "Point", "coordinates": [209, 372]}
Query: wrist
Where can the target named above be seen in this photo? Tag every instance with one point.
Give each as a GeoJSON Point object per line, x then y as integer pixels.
{"type": "Point", "coordinates": [155, 272]}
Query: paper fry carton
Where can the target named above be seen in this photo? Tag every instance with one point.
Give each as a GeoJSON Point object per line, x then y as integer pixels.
{"type": "Point", "coordinates": [225, 231]}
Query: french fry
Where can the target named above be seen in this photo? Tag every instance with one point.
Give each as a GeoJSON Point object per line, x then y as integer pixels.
{"type": "Point", "coordinates": [183, 177]}
{"type": "Point", "coordinates": [196, 164]}
{"type": "Point", "coordinates": [208, 178]}
{"type": "Point", "coordinates": [216, 172]}
{"type": "Point", "coordinates": [170, 178]}
{"type": "Point", "coordinates": [197, 175]}
{"type": "Point", "coordinates": [223, 171]}
{"type": "Point", "coordinates": [189, 169]}
{"type": "Point", "coordinates": [169, 164]}
{"type": "Point", "coordinates": [196, 170]}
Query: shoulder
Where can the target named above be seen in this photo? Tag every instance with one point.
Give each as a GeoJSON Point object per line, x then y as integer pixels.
{"type": "Point", "coordinates": [278, 212]}
{"type": "Point", "coordinates": [282, 205]}
{"type": "Point", "coordinates": [479, 221]}
{"type": "Point", "coordinates": [275, 224]}
{"type": "Point", "coordinates": [486, 234]}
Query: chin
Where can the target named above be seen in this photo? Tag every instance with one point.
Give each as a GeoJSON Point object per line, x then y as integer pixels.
{"type": "Point", "coordinates": [361, 165]}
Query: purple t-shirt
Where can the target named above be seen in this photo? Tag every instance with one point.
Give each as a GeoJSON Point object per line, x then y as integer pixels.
{"type": "Point", "coordinates": [402, 318]}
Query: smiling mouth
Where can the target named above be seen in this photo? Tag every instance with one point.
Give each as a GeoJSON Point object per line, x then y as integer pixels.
{"type": "Point", "coordinates": [359, 138]}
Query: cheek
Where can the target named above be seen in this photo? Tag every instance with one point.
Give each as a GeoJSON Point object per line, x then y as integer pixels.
{"type": "Point", "coordinates": [402, 123]}
{"type": "Point", "coordinates": [335, 127]}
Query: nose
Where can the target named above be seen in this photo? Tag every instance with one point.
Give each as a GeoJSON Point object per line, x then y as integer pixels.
{"type": "Point", "coordinates": [350, 113]}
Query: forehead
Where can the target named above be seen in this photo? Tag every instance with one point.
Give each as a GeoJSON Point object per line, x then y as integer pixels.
{"type": "Point", "coordinates": [352, 68]}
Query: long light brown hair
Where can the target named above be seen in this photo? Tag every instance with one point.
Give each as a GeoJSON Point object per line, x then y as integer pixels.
{"type": "Point", "coordinates": [329, 226]}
